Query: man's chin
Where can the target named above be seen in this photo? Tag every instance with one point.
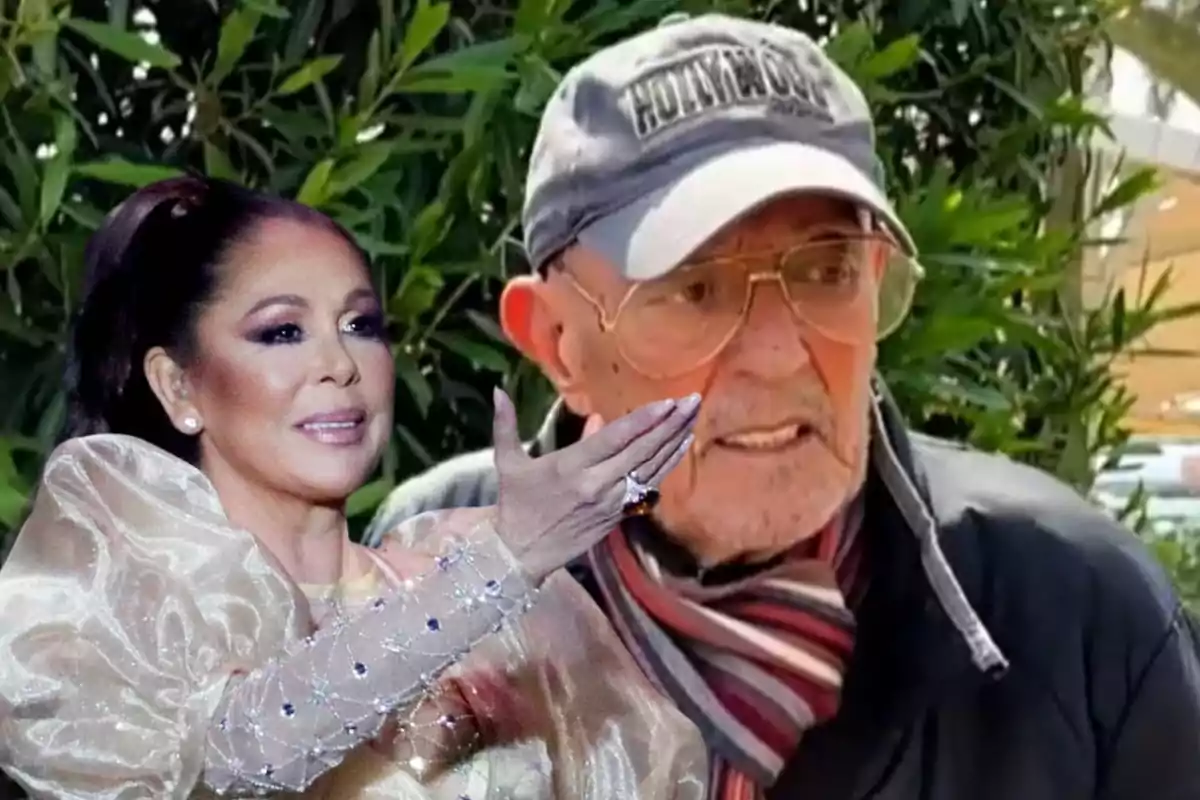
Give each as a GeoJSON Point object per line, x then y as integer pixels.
{"type": "Point", "coordinates": [755, 514]}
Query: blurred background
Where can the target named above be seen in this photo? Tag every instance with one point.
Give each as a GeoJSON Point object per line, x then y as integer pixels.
{"type": "Point", "coordinates": [1045, 154]}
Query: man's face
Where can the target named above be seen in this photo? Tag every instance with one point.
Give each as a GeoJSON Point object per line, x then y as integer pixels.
{"type": "Point", "coordinates": [781, 437]}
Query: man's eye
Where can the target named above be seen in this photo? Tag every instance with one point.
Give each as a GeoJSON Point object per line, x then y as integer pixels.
{"type": "Point", "coordinates": [834, 274]}
{"type": "Point", "coordinates": [695, 292]}
{"type": "Point", "coordinates": [288, 333]}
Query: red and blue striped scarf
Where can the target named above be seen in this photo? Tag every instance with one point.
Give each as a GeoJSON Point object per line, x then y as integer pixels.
{"type": "Point", "coordinates": [753, 663]}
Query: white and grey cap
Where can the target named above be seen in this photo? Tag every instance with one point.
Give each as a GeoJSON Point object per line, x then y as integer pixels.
{"type": "Point", "coordinates": [650, 147]}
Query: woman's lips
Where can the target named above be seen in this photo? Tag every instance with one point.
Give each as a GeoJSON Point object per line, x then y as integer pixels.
{"type": "Point", "coordinates": [338, 428]}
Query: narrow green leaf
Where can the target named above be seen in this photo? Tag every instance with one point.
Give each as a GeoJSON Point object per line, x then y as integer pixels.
{"type": "Point", "coordinates": [118, 13]}
{"type": "Point", "coordinates": [379, 247]}
{"type": "Point", "coordinates": [959, 10]}
{"type": "Point", "coordinates": [896, 57]}
{"type": "Point", "coordinates": [10, 209]}
{"type": "Point", "coordinates": [308, 74]}
{"type": "Point", "coordinates": [315, 189]}
{"type": "Point", "coordinates": [125, 44]}
{"type": "Point", "coordinates": [488, 326]}
{"type": "Point", "coordinates": [850, 46]}
{"type": "Point", "coordinates": [267, 9]}
{"type": "Point", "coordinates": [368, 498]}
{"type": "Point", "coordinates": [1184, 311]}
{"type": "Point", "coordinates": [414, 445]}
{"type": "Point", "coordinates": [12, 505]}
{"type": "Point", "coordinates": [429, 228]}
{"type": "Point", "coordinates": [366, 162]}
{"type": "Point", "coordinates": [349, 126]}
{"type": "Point", "coordinates": [368, 83]}
{"type": "Point", "coordinates": [480, 355]}
{"type": "Point", "coordinates": [1118, 320]}
{"type": "Point", "coordinates": [416, 295]}
{"type": "Point", "coordinates": [386, 29]}
{"type": "Point", "coordinates": [22, 163]}
{"type": "Point", "coordinates": [495, 57]}
{"type": "Point", "coordinates": [237, 31]}
{"type": "Point", "coordinates": [54, 183]}
{"type": "Point", "coordinates": [294, 125]}
{"type": "Point", "coordinates": [427, 22]}
{"type": "Point", "coordinates": [12, 494]}
{"type": "Point", "coordinates": [533, 16]}
{"type": "Point", "coordinates": [303, 29]}
{"type": "Point", "coordinates": [464, 79]}
{"type": "Point", "coordinates": [418, 386]}
{"type": "Point", "coordinates": [1137, 185]}
{"type": "Point", "coordinates": [58, 168]}
{"type": "Point", "coordinates": [1034, 109]}
{"type": "Point", "coordinates": [85, 215]}
{"type": "Point", "coordinates": [217, 163]}
{"type": "Point", "coordinates": [125, 173]}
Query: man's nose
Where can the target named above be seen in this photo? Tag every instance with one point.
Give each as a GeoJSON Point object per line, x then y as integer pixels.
{"type": "Point", "coordinates": [770, 343]}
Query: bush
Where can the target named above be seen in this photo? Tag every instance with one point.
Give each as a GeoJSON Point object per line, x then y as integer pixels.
{"type": "Point", "coordinates": [410, 124]}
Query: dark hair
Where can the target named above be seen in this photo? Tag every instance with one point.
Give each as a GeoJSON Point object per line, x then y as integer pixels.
{"type": "Point", "coordinates": [149, 272]}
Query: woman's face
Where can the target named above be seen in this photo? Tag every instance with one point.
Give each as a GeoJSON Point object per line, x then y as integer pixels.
{"type": "Point", "coordinates": [293, 379]}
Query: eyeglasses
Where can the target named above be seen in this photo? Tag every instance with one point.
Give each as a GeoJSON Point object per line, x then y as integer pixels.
{"type": "Point", "coordinates": [681, 321]}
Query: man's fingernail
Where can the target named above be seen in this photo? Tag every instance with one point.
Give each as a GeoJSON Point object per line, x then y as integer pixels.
{"type": "Point", "coordinates": [690, 403]}
{"type": "Point", "coordinates": [664, 407]}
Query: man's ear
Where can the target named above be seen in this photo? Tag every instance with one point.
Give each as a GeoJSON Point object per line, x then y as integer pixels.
{"type": "Point", "coordinates": [533, 320]}
{"type": "Point", "coordinates": [169, 384]}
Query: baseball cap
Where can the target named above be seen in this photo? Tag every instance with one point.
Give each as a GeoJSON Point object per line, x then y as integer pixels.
{"type": "Point", "coordinates": [651, 146]}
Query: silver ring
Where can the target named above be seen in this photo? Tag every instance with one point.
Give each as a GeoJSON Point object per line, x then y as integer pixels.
{"type": "Point", "coordinates": [640, 498]}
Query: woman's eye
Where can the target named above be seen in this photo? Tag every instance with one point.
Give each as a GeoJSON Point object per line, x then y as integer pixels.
{"type": "Point", "coordinates": [367, 325]}
{"type": "Point", "coordinates": [288, 333]}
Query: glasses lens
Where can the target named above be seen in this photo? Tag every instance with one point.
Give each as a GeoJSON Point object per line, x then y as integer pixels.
{"type": "Point", "coordinates": [896, 290]}
{"type": "Point", "coordinates": [672, 324]}
{"type": "Point", "coordinates": [675, 322]}
{"type": "Point", "coordinates": [831, 284]}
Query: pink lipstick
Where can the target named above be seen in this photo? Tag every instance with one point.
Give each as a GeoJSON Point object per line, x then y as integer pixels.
{"type": "Point", "coordinates": [341, 428]}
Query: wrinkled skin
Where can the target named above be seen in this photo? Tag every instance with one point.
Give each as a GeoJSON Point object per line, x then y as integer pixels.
{"type": "Point", "coordinates": [725, 502]}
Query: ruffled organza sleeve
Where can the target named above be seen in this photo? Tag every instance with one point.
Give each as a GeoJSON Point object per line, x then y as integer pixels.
{"type": "Point", "coordinates": [148, 648]}
{"type": "Point", "coordinates": [562, 708]}
{"type": "Point", "coordinates": [125, 605]}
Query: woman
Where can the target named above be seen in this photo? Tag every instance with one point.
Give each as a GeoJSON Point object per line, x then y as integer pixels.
{"type": "Point", "coordinates": [183, 612]}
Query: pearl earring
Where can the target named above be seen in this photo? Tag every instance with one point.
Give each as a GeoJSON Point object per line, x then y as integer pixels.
{"type": "Point", "coordinates": [192, 424]}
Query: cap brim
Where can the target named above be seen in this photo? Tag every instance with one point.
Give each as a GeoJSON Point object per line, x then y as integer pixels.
{"type": "Point", "coordinates": [651, 236]}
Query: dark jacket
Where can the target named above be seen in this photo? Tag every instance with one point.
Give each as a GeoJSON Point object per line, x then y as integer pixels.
{"type": "Point", "coordinates": [1056, 664]}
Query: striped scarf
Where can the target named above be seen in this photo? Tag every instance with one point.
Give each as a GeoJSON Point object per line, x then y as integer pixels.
{"type": "Point", "coordinates": [753, 663]}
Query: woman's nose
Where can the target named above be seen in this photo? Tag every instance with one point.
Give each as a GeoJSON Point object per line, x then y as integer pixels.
{"type": "Point", "coordinates": [337, 365]}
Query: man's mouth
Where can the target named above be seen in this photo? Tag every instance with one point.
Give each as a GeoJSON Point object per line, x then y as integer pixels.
{"type": "Point", "coordinates": [766, 439]}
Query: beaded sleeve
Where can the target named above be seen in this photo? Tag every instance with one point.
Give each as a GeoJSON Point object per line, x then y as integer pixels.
{"type": "Point", "coordinates": [280, 727]}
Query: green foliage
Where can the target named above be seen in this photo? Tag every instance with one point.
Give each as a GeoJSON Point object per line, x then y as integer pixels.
{"type": "Point", "coordinates": [410, 124]}
{"type": "Point", "coordinates": [1179, 551]}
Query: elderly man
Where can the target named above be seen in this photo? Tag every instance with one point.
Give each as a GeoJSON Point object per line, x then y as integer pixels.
{"type": "Point", "coordinates": [843, 608]}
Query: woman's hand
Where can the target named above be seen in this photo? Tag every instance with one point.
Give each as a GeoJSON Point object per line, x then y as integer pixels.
{"type": "Point", "coordinates": [555, 508]}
